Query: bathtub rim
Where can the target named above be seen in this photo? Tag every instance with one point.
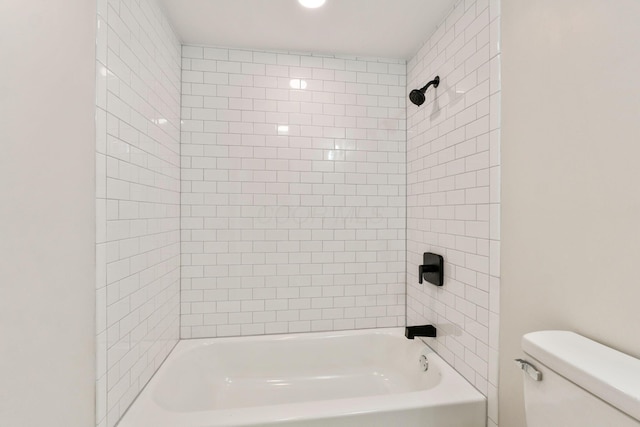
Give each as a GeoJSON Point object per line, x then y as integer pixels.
{"type": "Point", "coordinates": [453, 390]}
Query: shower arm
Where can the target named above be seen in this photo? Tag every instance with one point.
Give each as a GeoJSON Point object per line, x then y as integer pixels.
{"type": "Point", "coordinates": [435, 82]}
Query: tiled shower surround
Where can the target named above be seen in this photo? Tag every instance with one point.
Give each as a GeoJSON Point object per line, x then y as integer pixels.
{"type": "Point", "coordinates": [299, 196]}
{"type": "Point", "coordinates": [293, 192]}
{"type": "Point", "coordinates": [453, 188]}
{"type": "Point", "coordinates": [138, 199]}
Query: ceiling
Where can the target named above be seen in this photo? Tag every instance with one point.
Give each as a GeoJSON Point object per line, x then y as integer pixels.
{"type": "Point", "coordinates": [380, 28]}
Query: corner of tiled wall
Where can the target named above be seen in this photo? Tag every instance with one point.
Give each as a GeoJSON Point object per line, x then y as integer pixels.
{"type": "Point", "coordinates": [453, 186]}
{"type": "Point", "coordinates": [137, 198]}
{"type": "Point", "coordinates": [293, 192]}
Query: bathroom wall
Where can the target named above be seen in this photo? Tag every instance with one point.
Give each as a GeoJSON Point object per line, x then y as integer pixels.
{"type": "Point", "coordinates": [453, 162]}
{"type": "Point", "coordinates": [293, 192]}
{"type": "Point", "coordinates": [138, 199]}
{"type": "Point", "coordinates": [570, 190]}
{"type": "Point", "coordinates": [47, 213]}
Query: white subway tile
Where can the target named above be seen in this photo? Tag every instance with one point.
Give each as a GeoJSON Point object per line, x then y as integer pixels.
{"type": "Point", "coordinates": [216, 53]}
{"type": "Point", "coordinates": [453, 200]}
{"type": "Point", "coordinates": [294, 120]}
{"type": "Point", "coordinates": [144, 157]}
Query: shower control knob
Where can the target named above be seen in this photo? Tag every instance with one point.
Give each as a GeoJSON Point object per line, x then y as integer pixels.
{"type": "Point", "coordinates": [424, 362]}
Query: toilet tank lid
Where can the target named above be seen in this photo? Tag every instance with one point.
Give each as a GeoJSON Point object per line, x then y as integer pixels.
{"type": "Point", "coordinates": [607, 373]}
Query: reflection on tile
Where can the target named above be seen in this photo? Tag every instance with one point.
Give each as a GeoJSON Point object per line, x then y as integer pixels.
{"type": "Point", "coordinates": [298, 84]}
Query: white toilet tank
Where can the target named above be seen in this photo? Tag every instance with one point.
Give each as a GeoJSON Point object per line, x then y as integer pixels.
{"type": "Point", "coordinates": [571, 381]}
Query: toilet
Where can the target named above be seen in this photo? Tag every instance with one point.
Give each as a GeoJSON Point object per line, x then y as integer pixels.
{"type": "Point", "coordinates": [572, 381]}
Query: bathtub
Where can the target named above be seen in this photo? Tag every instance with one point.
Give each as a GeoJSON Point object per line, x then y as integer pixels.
{"type": "Point", "coordinates": [369, 378]}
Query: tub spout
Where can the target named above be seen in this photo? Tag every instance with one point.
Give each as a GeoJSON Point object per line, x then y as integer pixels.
{"type": "Point", "coordinates": [420, 331]}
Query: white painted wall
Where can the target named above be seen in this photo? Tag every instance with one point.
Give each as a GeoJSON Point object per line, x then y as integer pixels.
{"type": "Point", "coordinates": [453, 193]}
{"type": "Point", "coordinates": [293, 192]}
{"type": "Point", "coordinates": [47, 213]}
{"type": "Point", "coordinates": [570, 194]}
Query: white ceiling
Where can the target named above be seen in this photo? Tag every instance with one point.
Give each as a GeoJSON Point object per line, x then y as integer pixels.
{"type": "Point", "coordinates": [382, 28]}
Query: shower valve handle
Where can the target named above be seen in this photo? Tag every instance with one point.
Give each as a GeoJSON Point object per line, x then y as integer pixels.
{"type": "Point", "coordinates": [432, 269]}
{"type": "Point", "coordinates": [426, 269]}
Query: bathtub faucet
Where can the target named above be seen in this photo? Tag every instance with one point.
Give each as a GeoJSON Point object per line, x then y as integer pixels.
{"type": "Point", "coordinates": [420, 331]}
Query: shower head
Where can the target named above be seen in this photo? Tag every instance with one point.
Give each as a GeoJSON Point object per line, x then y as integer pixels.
{"type": "Point", "coordinates": [417, 95]}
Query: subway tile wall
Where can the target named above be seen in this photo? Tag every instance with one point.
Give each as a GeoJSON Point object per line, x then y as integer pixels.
{"type": "Point", "coordinates": [293, 192]}
{"type": "Point", "coordinates": [453, 191]}
{"type": "Point", "coordinates": [138, 199]}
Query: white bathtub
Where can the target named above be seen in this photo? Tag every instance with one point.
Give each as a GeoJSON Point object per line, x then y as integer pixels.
{"type": "Point", "coordinates": [362, 378]}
